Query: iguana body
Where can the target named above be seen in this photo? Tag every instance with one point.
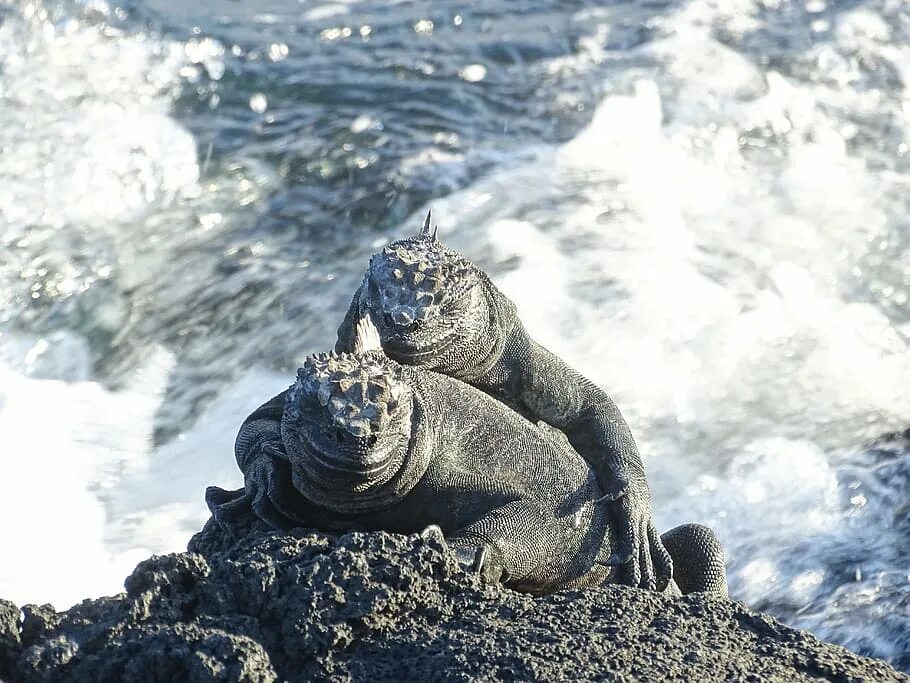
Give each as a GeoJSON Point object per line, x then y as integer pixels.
{"type": "Point", "coordinates": [436, 310]}
{"type": "Point", "coordinates": [361, 442]}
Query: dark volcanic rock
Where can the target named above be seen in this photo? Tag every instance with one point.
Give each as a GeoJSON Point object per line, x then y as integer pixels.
{"type": "Point", "coordinates": [9, 638]}
{"type": "Point", "coordinates": [305, 605]}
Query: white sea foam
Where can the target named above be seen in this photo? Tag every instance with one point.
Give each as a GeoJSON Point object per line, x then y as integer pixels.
{"type": "Point", "coordinates": [87, 146]}
{"type": "Point", "coordinates": [162, 502]}
{"type": "Point", "coordinates": [116, 149]}
{"type": "Point", "coordinates": [66, 444]}
{"type": "Point", "coordinates": [89, 494]}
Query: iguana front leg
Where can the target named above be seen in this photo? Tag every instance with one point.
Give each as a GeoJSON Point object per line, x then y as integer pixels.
{"type": "Point", "coordinates": [556, 393]}
{"type": "Point", "coordinates": [260, 455]}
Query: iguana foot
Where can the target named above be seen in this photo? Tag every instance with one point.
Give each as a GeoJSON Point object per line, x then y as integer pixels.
{"type": "Point", "coordinates": [473, 559]}
{"type": "Point", "coordinates": [614, 490]}
{"type": "Point", "coordinates": [652, 571]}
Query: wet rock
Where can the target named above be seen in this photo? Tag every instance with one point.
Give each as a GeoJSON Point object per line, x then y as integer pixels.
{"type": "Point", "coordinates": [10, 645]}
{"type": "Point", "coordinates": [259, 605]}
{"type": "Point", "coordinates": [304, 605]}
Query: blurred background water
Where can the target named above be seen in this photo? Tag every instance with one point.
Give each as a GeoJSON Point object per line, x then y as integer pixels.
{"type": "Point", "coordinates": [702, 204]}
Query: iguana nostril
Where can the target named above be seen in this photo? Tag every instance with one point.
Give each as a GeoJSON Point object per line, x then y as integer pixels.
{"type": "Point", "coordinates": [401, 320]}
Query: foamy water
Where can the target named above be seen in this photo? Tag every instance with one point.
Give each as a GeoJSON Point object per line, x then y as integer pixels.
{"type": "Point", "coordinates": [722, 245]}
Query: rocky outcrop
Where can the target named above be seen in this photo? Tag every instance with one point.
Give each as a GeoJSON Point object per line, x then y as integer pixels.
{"type": "Point", "coordinates": [305, 605]}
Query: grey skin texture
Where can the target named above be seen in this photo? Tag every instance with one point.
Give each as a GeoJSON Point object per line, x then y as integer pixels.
{"type": "Point", "coordinates": [362, 442]}
{"type": "Point", "coordinates": [436, 310]}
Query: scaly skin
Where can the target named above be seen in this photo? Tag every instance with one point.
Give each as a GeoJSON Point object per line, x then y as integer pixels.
{"type": "Point", "coordinates": [361, 442]}
{"type": "Point", "coordinates": [436, 310]}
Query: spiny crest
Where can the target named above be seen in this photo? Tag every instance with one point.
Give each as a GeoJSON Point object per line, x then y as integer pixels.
{"type": "Point", "coordinates": [425, 231]}
{"type": "Point", "coordinates": [418, 273]}
{"type": "Point", "coordinates": [360, 392]}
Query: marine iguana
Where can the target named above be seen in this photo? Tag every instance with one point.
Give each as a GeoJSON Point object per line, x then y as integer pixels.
{"type": "Point", "coordinates": [360, 441]}
{"type": "Point", "coordinates": [436, 310]}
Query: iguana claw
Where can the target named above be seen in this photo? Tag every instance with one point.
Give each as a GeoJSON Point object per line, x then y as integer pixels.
{"type": "Point", "coordinates": [473, 559]}
{"type": "Point", "coordinates": [619, 488]}
{"type": "Point", "coordinates": [435, 532]}
{"type": "Point", "coordinates": [480, 561]}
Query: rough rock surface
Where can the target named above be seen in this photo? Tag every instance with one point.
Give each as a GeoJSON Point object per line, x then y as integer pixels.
{"type": "Point", "coordinates": [305, 605]}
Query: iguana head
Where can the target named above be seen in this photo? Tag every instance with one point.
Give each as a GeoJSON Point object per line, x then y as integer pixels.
{"type": "Point", "coordinates": [427, 302]}
{"type": "Point", "coordinates": [346, 428]}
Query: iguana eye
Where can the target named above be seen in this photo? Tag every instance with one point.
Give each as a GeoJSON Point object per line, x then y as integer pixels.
{"type": "Point", "coordinates": [339, 436]}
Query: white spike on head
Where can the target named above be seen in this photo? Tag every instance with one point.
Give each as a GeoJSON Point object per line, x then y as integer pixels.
{"type": "Point", "coordinates": [366, 336]}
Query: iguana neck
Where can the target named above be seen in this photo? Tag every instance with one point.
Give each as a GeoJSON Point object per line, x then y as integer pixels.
{"type": "Point", "coordinates": [348, 493]}
{"type": "Point", "coordinates": [500, 322]}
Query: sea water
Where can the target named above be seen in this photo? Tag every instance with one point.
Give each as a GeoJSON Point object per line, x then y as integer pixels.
{"type": "Point", "coordinates": [701, 205]}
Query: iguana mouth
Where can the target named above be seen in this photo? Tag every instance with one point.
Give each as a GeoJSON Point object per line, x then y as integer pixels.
{"type": "Point", "coordinates": [412, 354]}
{"type": "Point", "coordinates": [333, 462]}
